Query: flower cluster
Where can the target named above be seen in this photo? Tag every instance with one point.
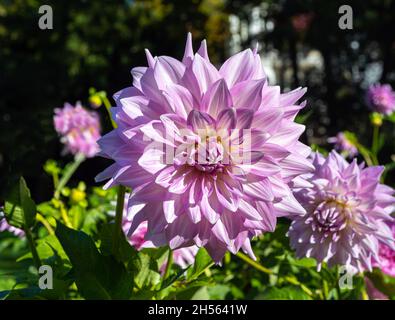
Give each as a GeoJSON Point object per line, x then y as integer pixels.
{"type": "Point", "coordinates": [386, 258]}
{"type": "Point", "coordinates": [79, 129]}
{"type": "Point", "coordinates": [200, 119]}
{"type": "Point", "coordinates": [344, 145]}
{"type": "Point", "coordinates": [347, 210]}
{"type": "Point", "coordinates": [381, 98]}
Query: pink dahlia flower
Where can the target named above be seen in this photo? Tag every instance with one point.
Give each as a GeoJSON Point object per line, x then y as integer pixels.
{"type": "Point", "coordinates": [208, 153]}
{"type": "Point", "coordinates": [381, 98]}
{"type": "Point", "coordinates": [386, 260]}
{"type": "Point", "coordinates": [344, 145]}
{"type": "Point", "coordinates": [347, 210]}
{"type": "Point", "coordinates": [79, 129]}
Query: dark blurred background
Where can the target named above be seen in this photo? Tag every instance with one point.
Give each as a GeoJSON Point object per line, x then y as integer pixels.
{"type": "Point", "coordinates": [96, 43]}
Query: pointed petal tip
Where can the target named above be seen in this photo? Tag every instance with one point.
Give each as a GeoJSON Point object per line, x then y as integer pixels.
{"type": "Point", "coordinates": [150, 58]}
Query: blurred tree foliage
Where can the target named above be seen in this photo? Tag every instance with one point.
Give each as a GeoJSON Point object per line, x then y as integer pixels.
{"type": "Point", "coordinates": [92, 44]}
{"type": "Point", "coordinates": [96, 43]}
{"type": "Point", "coordinates": [336, 95]}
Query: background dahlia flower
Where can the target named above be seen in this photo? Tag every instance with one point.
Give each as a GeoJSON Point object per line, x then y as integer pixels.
{"type": "Point", "coordinates": [386, 260]}
{"type": "Point", "coordinates": [177, 146]}
{"type": "Point", "coordinates": [381, 98]}
{"type": "Point", "coordinates": [4, 226]}
{"type": "Point", "coordinates": [344, 145]}
{"type": "Point", "coordinates": [347, 210]}
{"type": "Point", "coordinates": [79, 129]}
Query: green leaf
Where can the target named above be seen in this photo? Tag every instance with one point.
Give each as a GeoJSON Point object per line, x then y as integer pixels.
{"type": "Point", "coordinates": [144, 268]}
{"type": "Point", "coordinates": [284, 293]}
{"type": "Point", "coordinates": [125, 252]}
{"type": "Point", "coordinates": [97, 276]}
{"type": "Point", "coordinates": [19, 208]}
{"type": "Point", "coordinates": [202, 261]}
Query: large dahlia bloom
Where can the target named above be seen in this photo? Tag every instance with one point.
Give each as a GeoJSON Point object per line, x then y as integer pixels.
{"type": "Point", "coordinates": [208, 153]}
{"type": "Point", "coordinates": [381, 98]}
{"type": "Point", "coordinates": [386, 260]}
{"type": "Point", "coordinates": [347, 210]}
{"type": "Point", "coordinates": [344, 145]}
{"type": "Point", "coordinates": [79, 129]}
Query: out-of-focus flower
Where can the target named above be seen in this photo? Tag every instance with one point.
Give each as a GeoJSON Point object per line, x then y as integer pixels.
{"type": "Point", "coordinates": [95, 101]}
{"type": "Point", "coordinates": [4, 226]}
{"type": "Point", "coordinates": [376, 119]}
{"type": "Point", "coordinates": [347, 210]}
{"type": "Point", "coordinates": [301, 22]}
{"type": "Point", "coordinates": [79, 129]}
{"type": "Point", "coordinates": [386, 258]}
{"type": "Point", "coordinates": [381, 98]}
{"type": "Point", "coordinates": [344, 145]}
{"type": "Point", "coordinates": [373, 292]}
{"type": "Point", "coordinates": [184, 257]}
{"type": "Point", "coordinates": [209, 154]}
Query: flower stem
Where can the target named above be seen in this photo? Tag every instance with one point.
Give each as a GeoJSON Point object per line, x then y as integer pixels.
{"type": "Point", "coordinates": [79, 158]}
{"type": "Point", "coordinates": [45, 223]}
{"type": "Point", "coordinates": [107, 104]}
{"type": "Point", "coordinates": [168, 265]}
{"type": "Point", "coordinates": [65, 216]}
{"type": "Point", "coordinates": [253, 263]}
{"type": "Point", "coordinates": [36, 258]}
{"type": "Point", "coordinates": [118, 217]}
{"type": "Point", "coordinates": [259, 267]}
{"type": "Point", "coordinates": [375, 144]}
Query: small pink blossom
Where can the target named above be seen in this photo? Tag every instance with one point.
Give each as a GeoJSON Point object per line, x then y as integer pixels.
{"type": "Point", "coordinates": [381, 98]}
{"type": "Point", "coordinates": [344, 145]}
{"type": "Point", "coordinates": [79, 129]}
{"type": "Point", "coordinates": [386, 258]}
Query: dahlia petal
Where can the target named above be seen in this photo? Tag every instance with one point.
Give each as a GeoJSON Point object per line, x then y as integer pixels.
{"type": "Point", "coordinates": [249, 211]}
{"type": "Point", "coordinates": [150, 59]}
{"type": "Point", "coordinates": [137, 73]}
{"type": "Point", "coordinates": [199, 76]}
{"type": "Point", "coordinates": [238, 68]}
{"type": "Point", "coordinates": [179, 99]}
{"type": "Point", "coordinates": [167, 70]}
{"type": "Point", "coordinates": [199, 120]}
{"type": "Point", "coordinates": [248, 94]}
{"type": "Point", "coordinates": [244, 118]}
{"type": "Point", "coordinates": [208, 211]}
{"type": "Point", "coordinates": [188, 54]}
{"type": "Point", "coordinates": [290, 98]}
{"type": "Point", "coordinates": [216, 98]}
{"type": "Point", "coordinates": [268, 121]}
{"type": "Point", "coordinates": [226, 119]}
{"type": "Point", "coordinates": [260, 190]}
{"type": "Point", "coordinates": [203, 50]}
{"type": "Point", "coordinates": [152, 160]}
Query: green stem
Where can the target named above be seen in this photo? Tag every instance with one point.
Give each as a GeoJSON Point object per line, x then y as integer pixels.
{"type": "Point", "coordinates": [45, 223]}
{"type": "Point", "coordinates": [325, 289]}
{"type": "Point", "coordinates": [259, 267]}
{"type": "Point", "coordinates": [118, 217]}
{"type": "Point", "coordinates": [79, 158]}
{"type": "Point", "coordinates": [36, 258]}
{"type": "Point", "coordinates": [375, 144]}
{"type": "Point", "coordinates": [168, 265]}
{"type": "Point", "coordinates": [253, 263]}
{"type": "Point", "coordinates": [107, 104]}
